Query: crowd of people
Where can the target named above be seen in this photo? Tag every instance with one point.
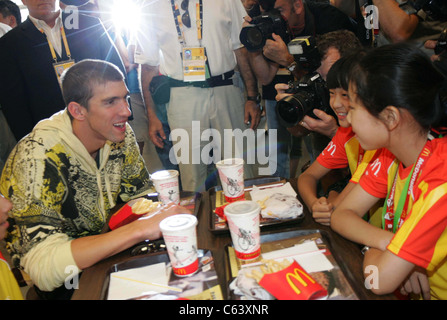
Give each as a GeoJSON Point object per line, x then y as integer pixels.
{"type": "Point", "coordinates": [81, 102]}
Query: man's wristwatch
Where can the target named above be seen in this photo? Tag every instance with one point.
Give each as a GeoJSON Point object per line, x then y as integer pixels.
{"type": "Point", "coordinates": [292, 66]}
{"type": "Point", "coordinates": [256, 98]}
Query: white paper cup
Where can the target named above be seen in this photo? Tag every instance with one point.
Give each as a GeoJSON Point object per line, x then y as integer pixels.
{"type": "Point", "coordinates": [243, 221]}
{"type": "Point", "coordinates": [167, 185]}
{"type": "Point", "coordinates": [180, 236]}
{"type": "Point", "coordinates": [231, 173]}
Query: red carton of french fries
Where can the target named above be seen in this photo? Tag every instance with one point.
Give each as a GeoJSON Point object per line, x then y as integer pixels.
{"type": "Point", "coordinates": [132, 211]}
{"type": "Point", "coordinates": [289, 281]}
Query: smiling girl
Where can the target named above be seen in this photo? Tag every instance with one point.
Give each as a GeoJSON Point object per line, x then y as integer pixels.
{"type": "Point", "coordinates": [395, 100]}
{"type": "Point", "coordinates": [343, 150]}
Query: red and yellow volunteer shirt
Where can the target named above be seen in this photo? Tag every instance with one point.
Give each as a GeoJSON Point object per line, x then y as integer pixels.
{"type": "Point", "coordinates": [422, 235]}
{"type": "Point", "coordinates": [345, 150]}
{"type": "Point", "coordinates": [9, 289]}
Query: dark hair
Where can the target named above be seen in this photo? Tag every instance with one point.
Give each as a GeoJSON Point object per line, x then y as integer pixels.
{"type": "Point", "coordinates": [8, 8]}
{"type": "Point", "coordinates": [339, 74]}
{"type": "Point", "coordinates": [344, 41]}
{"type": "Point", "coordinates": [267, 5]}
{"type": "Point", "coordinates": [79, 80]}
{"type": "Point", "coordinates": [403, 76]}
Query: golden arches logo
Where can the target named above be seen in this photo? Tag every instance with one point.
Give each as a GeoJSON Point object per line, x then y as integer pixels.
{"type": "Point", "coordinates": [181, 271]}
{"type": "Point", "coordinates": [425, 152]}
{"type": "Point", "coordinates": [298, 276]}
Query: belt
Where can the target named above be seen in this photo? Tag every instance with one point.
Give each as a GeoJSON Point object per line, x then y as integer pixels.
{"type": "Point", "coordinates": [224, 79]}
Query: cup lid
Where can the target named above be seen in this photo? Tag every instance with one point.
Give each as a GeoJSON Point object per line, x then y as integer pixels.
{"type": "Point", "coordinates": [164, 174]}
{"type": "Point", "coordinates": [178, 222]}
{"type": "Point", "coordinates": [242, 207]}
{"type": "Point", "coordinates": [230, 162]}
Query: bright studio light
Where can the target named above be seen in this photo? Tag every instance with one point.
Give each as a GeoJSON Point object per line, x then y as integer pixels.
{"type": "Point", "coordinates": [126, 15]}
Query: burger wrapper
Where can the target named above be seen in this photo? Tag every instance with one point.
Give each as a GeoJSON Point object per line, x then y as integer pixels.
{"type": "Point", "coordinates": [292, 283]}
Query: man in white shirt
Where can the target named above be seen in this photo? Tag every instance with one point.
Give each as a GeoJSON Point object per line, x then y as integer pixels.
{"type": "Point", "coordinates": [209, 98]}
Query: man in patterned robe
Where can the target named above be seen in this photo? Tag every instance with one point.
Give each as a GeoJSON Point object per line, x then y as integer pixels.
{"type": "Point", "coordinates": [66, 175]}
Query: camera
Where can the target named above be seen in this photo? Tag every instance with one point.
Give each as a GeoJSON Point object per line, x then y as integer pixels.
{"type": "Point", "coordinates": [305, 52]}
{"type": "Point", "coordinates": [310, 91]}
{"type": "Point", "coordinates": [254, 36]}
{"type": "Point", "coordinates": [436, 9]}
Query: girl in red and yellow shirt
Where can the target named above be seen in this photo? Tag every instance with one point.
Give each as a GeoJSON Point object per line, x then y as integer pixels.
{"type": "Point", "coordinates": [343, 151]}
{"type": "Point", "coordinates": [394, 92]}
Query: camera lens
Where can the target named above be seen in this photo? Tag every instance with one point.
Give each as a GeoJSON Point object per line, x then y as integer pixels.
{"type": "Point", "coordinates": [252, 38]}
{"type": "Point", "coordinates": [292, 109]}
{"type": "Point", "coordinates": [255, 37]}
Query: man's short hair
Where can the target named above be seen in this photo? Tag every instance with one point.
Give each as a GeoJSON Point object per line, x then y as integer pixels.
{"type": "Point", "coordinates": [344, 41]}
{"type": "Point", "coordinates": [8, 8]}
{"type": "Point", "coordinates": [79, 80]}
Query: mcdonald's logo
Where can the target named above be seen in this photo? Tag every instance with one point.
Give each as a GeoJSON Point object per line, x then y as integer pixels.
{"type": "Point", "coordinates": [425, 152]}
{"type": "Point", "coordinates": [298, 279]}
{"type": "Point", "coordinates": [181, 271]}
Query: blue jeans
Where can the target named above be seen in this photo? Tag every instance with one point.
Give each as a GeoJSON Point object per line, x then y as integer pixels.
{"type": "Point", "coordinates": [283, 143]}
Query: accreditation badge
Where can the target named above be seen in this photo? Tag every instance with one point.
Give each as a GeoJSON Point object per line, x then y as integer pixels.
{"type": "Point", "coordinates": [194, 64]}
{"type": "Point", "coordinates": [60, 67]}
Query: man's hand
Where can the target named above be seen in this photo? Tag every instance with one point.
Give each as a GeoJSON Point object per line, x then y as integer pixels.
{"type": "Point", "coordinates": [326, 124]}
{"type": "Point", "coordinates": [281, 91]}
{"type": "Point", "coordinates": [151, 222]}
{"type": "Point", "coordinates": [156, 132]}
{"type": "Point", "coordinates": [252, 114]}
{"type": "Point", "coordinates": [276, 50]}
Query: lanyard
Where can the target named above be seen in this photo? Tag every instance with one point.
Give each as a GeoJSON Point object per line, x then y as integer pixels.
{"type": "Point", "coordinates": [64, 39]}
{"type": "Point", "coordinates": [178, 21]}
{"type": "Point", "coordinates": [402, 205]}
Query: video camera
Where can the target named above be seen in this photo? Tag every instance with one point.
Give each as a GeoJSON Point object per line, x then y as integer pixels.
{"type": "Point", "coordinates": [254, 36]}
{"type": "Point", "coordinates": [310, 91]}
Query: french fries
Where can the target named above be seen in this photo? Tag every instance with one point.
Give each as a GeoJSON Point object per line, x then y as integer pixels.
{"type": "Point", "coordinates": [268, 266]}
{"type": "Point", "coordinates": [262, 202]}
{"type": "Point", "coordinates": [144, 205]}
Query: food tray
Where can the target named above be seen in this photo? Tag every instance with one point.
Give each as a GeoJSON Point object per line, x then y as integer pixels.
{"type": "Point", "coordinates": [203, 285]}
{"type": "Point", "coordinates": [336, 281]}
{"type": "Point", "coordinates": [218, 225]}
{"type": "Point", "coordinates": [188, 199]}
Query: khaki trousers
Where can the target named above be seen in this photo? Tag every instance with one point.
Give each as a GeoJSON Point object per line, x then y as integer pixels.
{"type": "Point", "coordinates": [198, 118]}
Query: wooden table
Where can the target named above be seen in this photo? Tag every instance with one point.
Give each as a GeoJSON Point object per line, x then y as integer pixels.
{"type": "Point", "coordinates": [93, 282]}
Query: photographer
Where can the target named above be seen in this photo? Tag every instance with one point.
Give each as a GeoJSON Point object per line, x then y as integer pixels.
{"type": "Point", "coordinates": [331, 46]}
{"type": "Point", "coordinates": [273, 64]}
